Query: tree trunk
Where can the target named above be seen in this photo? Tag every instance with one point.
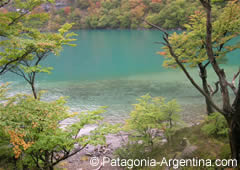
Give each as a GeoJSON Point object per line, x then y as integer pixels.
{"type": "Point", "coordinates": [234, 125]}
{"type": "Point", "coordinates": [32, 82]}
{"type": "Point", "coordinates": [34, 91]}
{"type": "Point", "coordinates": [234, 137]}
{"type": "Point", "coordinates": [47, 164]}
{"type": "Point", "coordinates": [203, 76]}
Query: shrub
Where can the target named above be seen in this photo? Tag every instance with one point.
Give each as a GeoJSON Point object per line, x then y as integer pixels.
{"type": "Point", "coordinates": [132, 152]}
{"type": "Point", "coordinates": [153, 113]}
{"type": "Point", "coordinates": [31, 130]}
{"type": "Point", "coordinates": [216, 125]}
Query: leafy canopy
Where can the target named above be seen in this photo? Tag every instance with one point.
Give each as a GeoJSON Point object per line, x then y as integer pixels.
{"type": "Point", "coordinates": [216, 125]}
{"type": "Point", "coordinates": [32, 130]}
{"type": "Point", "coordinates": [22, 41]}
{"type": "Point", "coordinates": [153, 113]}
{"type": "Point", "coordinates": [190, 46]}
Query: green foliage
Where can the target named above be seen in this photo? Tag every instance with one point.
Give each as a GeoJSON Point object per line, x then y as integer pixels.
{"type": "Point", "coordinates": [153, 113]}
{"type": "Point", "coordinates": [225, 152]}
{"type": "Point", "coordinates": [131, 152]}
{"type": "Point", "coordinates": [24, 47]}
{"type": "Point", "coordinates": [82, 4]}
{"type": "Point", "coordinates": [216, 125]}
{"type": "Point", "coordinates": [24, 43]}
{"type": "Point", "coordinates": [131, 13]}
{"type": "Point", "coordinates": [176, 14]}
{"type": "Point", "coordinates": [31, 130]}
{"type": "Point", "coordinates": [190, 45]}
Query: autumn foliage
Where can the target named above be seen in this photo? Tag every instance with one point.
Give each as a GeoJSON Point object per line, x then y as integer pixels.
{"type": "Point", "coordinates": [127, 13]}
{"type": "Point", "coordinates": [67, 10]}
{"type": "Point", "coordinates": [31, 130]}
{"type": "Point", "coordinates": [18, 142]}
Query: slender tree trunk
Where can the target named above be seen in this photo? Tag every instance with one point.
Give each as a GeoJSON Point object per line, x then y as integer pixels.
{"type": "Point", "coordinates": [203, 76]}
{"type": "Point", "coordinates": [34, 90]}
{"type": "Point", "coordinates": [32, 83]}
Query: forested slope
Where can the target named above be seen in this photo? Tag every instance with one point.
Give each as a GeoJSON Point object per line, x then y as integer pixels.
{"type": "Point", "coordinates": [119, 14]}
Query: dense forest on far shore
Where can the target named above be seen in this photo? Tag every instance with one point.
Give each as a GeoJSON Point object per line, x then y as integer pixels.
{"type": "Point", "coordinates": [119, 14]}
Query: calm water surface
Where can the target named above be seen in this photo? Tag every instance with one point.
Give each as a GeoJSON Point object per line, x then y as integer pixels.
{"type": "Point", "coordinates": [113, 68]}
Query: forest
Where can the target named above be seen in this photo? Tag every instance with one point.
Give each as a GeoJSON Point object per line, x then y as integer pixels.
{"type": "Point", "coordinates": [119, 84]}
{"type": "Point", "coordinates": [121, 14]}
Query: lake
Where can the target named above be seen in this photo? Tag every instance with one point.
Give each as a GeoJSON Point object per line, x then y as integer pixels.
{"type": "Point", "coordinates": [114, 67]}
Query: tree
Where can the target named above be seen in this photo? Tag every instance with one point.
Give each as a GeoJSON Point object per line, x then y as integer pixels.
{"type": "Point", "coordinates": [12, 27]}
{"type": "Point", "coordinates": [24, 46]}
{"type": "Point", "coordinates": [41, 44]}
{"type": "Point", "coordinates": [31, 130]}
{"type": "Point", "coordinates": [153, 113]}
{"type": "Point", "coordinates": [215, 33]}
{"type": "Point", "coordinates": [174, 14]}
{"type": "Point", "coordinates": [190, 48]}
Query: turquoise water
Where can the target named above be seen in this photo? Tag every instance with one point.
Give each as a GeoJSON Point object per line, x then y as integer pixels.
{"type": "Point", "coordinates": [113, 68]}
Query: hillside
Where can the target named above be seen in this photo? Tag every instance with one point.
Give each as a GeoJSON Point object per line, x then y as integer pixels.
{"type": "Point", "coordinates": [124, 14]}
{"type": "Point", "coordinates": [118, 14]}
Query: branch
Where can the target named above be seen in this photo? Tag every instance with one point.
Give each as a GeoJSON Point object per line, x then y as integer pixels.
{"type": "Point", "coordinates": [213, 92]}
{"type": "Point", "coordinates": [185, 70]}
{"type": "Point", "coordinates": [209, 49]}
{"type": "Point", "coordinates": [193, 82]}
{"type": "Point", "coordinates": [206, 64]}
{"type": "Point", "coordinates": [232, 84]}
{"type": "Point", "coordinates": [160, 43]}
{"type": "Point", "coordinates": [5, 67]}
{"type": "Point", "coordinates": [19, 17]}
{"type": "Point", "coordinates": [206, 4]}
{"type": "Point", "coordinates": [22, 14]}
{"type": "Point", "coordinates": [19, 72]}
{"type": "Point", "coordinates": [157, 27]}
{"type": "Point", "coordinates": [69, 155]}
{"type": "Point", "coordinates": [4, 3]}
{"type": "Point", "coordinates": [235, 76]}
{"type": "Point", "coordinates": [35, 160]}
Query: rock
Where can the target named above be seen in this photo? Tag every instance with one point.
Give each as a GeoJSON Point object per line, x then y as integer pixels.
{"type": "Point", "coordinates": [164, 141]}
{"type": "Point", "coordinates": [188, 152]}
{"type": "Point", "coordinates": [185, 142]}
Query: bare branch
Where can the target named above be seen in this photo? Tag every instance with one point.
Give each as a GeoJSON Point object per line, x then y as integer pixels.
{"type": "Point", "coordinates": [210, 89]}
{"type": "Point", "coordinates": [235, 76]}
{"type": "Point", "coordinates": [232, 84]}
{"type": "Point", "coordinates": [213, 92]}
{"type": "Point", "coordinates": [157, 27]}
{"type": "Point", "coordinates": [69, 155]}
{"type": "Point", "coordinates": [19, 72]}
{"type": "Point", "coordinates": [160, 43]}
{"type": "Point", "coordinates": [206, 64]}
